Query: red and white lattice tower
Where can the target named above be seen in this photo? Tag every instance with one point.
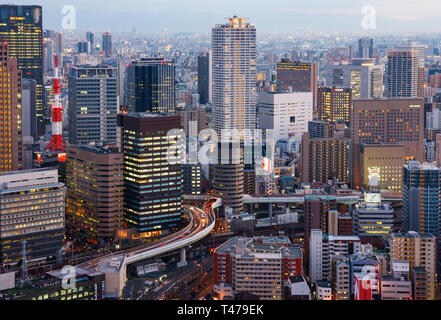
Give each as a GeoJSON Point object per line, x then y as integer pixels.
{"type": "Point", "coordinates": [57, 143]}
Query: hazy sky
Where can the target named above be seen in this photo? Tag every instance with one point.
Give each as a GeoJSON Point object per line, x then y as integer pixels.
{"type": "Point", "coordinates": [268, 15]}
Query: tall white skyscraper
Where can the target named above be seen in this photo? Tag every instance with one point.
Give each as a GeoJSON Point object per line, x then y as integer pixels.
{"type": "Point", "coordinates": [234, 75]}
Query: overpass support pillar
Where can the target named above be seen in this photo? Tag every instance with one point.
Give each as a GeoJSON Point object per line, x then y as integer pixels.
{"type": "Point", "coordinates": [183, 261]}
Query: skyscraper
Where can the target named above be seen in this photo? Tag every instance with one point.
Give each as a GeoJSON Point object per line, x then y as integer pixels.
{"type": "Point", "coordinates": [151, 86]}
{"type": "Point", "coordinates": [11, 140]}
{"type": "Point", "coordinates": [21, 28]}
{"type": "Point", "coordinates": [365, 48]}
{"type": "Point", "coordinates": [403, 74]}
{"type": "Point", "coordinates": [95, 191]}
{"type": "Point", "coordinates": [234, 75]}
{"type": "Point", "coordinates": [90, 40]}
{"type": "Point", "coordinates": [107, 44]}
{"type": "Point", "coordinates": [152, 184]}
{"type": "Point", "coordinates": [93, 104]}
{"type": "Point", "coordinates": [421, 198]}
{"type": "Point", "coordinates": [296, 76]}
{"type": "Point", "coordinates": [204, 81]}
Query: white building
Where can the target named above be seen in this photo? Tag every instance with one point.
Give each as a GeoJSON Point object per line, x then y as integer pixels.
{"type": "Point", "coordinates": [287, 114]}
{"type": "Point", "coordinates": [323, 247]}
{"type": "Point", "coordinates": [324, 290]}
{"type": "Point", "coordinates": [234, 75]}
{"type": "Point", "coordinates": [31, 209]}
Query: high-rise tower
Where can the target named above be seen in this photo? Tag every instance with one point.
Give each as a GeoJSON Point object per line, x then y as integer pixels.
{"type": "Point", "coordinates": [234, 75]}
{"type": "Point", "coordinates": [21, 28]}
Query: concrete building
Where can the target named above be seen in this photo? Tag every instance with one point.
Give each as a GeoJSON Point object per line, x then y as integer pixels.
{"type": "Point", "coordinates": [115, 270]}
{"type": "Point", "coordinates": [152, 178]}
{"type": "Point", "coordinates": [372, 218]}
{"type": "Point", "coordinates": [95, 192]}
{"type": "Point", "coordinates": [296, 288]}
{"type": "Point", "coordinates": [192, 178]}
{"type": "Point", "coordinates": [93, 104]}
{"type": "Point", "coordinates": [419, 250]}
{"type": "Point", "coordinates": [287, 114]}
{"type": "Point", "coordinates": [419, 283]}
{"type": "Point", "coordinates": [362, 76]}
{"type": "Point", "coordinates": [31, 210]}
{"type": "Point", "coordinates": [421, 197]}
{"type": "Point", "coordinates": [323, 247]}
{"type": "Point", "coordinates": [260, 266]}
{"type": "Point", "coordinates": [341, 277]}
{"type": "Point", "coordinates": [397, 286]}
{"type": "Point", "coordinates": [324, 159]}
{"type": "Point", "coordinates": [234, 75]}
{"type": "Point", "coordinates": [324, 290]}
{"type": "Point", "coordinates": [403, 77]}
{"type": "Point", "coordinates": [204, 77]}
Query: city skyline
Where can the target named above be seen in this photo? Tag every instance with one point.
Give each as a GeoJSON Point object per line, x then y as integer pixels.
{"type": "Point", "coordinates": [317, 16]}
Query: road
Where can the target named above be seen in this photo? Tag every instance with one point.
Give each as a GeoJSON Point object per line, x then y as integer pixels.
{"type": "Point", "coordinates": [201, 224]}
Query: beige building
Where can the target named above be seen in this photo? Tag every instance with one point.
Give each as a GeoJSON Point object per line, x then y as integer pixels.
{"type": "Point", "coordinates": [387, 121]}
{"type": "Point", "coordinates": [382, 165]}
{"type": "Point", "coordinates": [420, 251]}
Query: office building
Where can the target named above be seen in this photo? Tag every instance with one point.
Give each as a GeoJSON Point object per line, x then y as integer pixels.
{"type": "Point", "coordinates": [192, 178]}
{"type": "Point", "coordinates": [365, 48]}
{"type": "Point", "coordinates": [21, 28]}
{"type": "Point", "coordinates": [107, 44]}
{"type": "Point", "coordinates": [296, 76]}
{"type": "Point", "coordinates": [421, 197]}
{"type": "Point", "coordinates": [82, 47]}
{"type": "Point", "coordinates": [259, 266]}
{"type": "Point", "coordinates": [31, 210]}
{"type": "Point", "coordinates": [334, 105]}
{"type": "Point", "coordinates": [11, 122]}
{"type": "Point", "coordinates": [372, 218]}
{"type": "Point", "coordinates": [397, 121]}
{"type": "Point", "coordinates": [93, 104]}
{"type": "Point", "coordinates": [204, 77]}
{"type": "Point", "coordinates": [95, 190]}
{"type": "Point", "coordinates": [420, 251]}
{"type": "Point", "coordinates": [323, 290]}
{"type": "Point", "coordinates": [152, 181]}
{"type": "Point", "coordinates": [151, 86]}
{"type": "Point", "coordinates": [234, 75]}
{"type": "Point", "coordinates": [340, 270]}
{"type": "Point", "coordinates": [361, 75]}
{"type": "Point", "coordinates": [287, 114]}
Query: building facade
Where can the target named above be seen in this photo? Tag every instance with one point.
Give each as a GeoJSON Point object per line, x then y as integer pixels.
{"type": "Point", "coordinates": [93, 104]}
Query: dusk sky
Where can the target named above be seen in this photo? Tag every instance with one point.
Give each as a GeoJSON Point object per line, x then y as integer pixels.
{"type": "Point", "coordinates": [274, 15]}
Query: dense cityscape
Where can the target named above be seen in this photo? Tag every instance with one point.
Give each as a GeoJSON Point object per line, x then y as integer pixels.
{"type": "Point", "coordinates": [224, 164]}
